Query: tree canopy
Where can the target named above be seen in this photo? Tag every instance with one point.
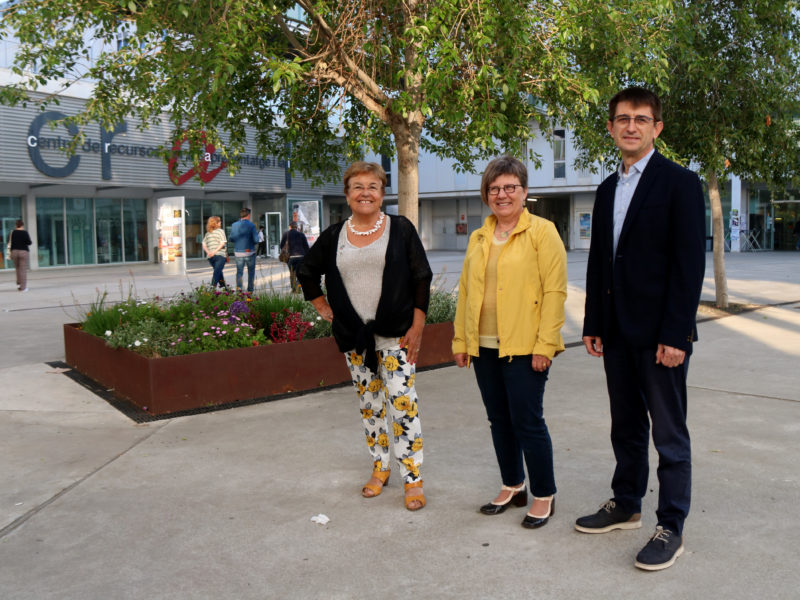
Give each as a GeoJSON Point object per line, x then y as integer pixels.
{"type": "Point", "coordinates": [731, 99]}
{"type": "Point", "coordinates": [324, 80]}
{"type": "Point", "coordinates": [734, 99]}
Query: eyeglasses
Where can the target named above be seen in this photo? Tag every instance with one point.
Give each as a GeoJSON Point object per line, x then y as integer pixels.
{"type": "Point", "coordinates": [372, 188]}
{"type": "Point", "coordinates": [640, 120]}
{"type": "Point", "coordinates": [507, 188]}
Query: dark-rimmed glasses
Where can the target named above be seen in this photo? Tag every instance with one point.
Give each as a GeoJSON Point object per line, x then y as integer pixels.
{"type": "Point", "coordinates": [507, 188]}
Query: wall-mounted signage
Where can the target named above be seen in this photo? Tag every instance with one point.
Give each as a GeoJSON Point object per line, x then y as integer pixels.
{"type": "Point", "coordinates": [38, 141]}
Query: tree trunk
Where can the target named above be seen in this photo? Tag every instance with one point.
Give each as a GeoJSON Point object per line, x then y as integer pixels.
{"type": "Point", "coordinates": [406, 139]}
{"type": "Point", "coordinates": [718, 230]}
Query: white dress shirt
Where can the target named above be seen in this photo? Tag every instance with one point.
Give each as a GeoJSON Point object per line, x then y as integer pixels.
{"type": "Point", "coordinates": [626, 186]}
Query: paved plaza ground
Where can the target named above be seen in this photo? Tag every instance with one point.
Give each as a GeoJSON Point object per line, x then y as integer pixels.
{"type": "Point", "coordinates": [219, 505]}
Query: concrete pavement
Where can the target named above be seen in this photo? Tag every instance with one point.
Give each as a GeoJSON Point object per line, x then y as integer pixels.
{"type": "Point", "coordinates": [218, 505]}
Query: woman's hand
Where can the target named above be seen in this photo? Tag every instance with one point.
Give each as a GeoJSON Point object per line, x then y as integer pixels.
{"type": "Point", "coordinates": [461, 359]}
{"type": "Point", "coordinates": [540, 363]}
{"type": "Point", "coordinates": [324, 309]}
{"type": "Point", "coordinates": [412, 340]}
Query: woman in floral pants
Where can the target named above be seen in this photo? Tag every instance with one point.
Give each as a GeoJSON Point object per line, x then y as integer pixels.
{"type": "Point", "coordinates": [390, 389]}
{"type": "Point", "coordinates": [378, 282]}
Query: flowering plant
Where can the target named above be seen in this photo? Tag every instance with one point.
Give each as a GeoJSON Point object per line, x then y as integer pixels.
{"type": "Point", "coordinates": [288, 326]}
{"type": "Point", "coordinates": [205, 320]}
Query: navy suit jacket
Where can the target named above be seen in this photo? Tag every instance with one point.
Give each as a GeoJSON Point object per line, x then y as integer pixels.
{"type": "Point", "coordinates": [648, 293]}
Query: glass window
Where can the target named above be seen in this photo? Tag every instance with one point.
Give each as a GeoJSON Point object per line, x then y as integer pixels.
{"type": "Point", "coordinates": [80, 231]}
{"type": "Point", "coordinates": [108, 224]}
{"type": "Point", "coordinates": [50, 231]}
{"type": "Point", "coordinates": [195, 228]}
{"type": "Point", "coordinates": [559, 154]}
{"type": "Point", "coordinates": [10, 211]}
{"type": "Point", "coordinates": [134, 215]}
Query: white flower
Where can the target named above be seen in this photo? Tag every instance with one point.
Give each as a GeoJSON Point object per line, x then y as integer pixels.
{"type": "Point", "coordinates": [145, 339]}
{"type": "Point", "coordinates": [108, 332]}
{"type": "Point", "coordinates": [137, 343]}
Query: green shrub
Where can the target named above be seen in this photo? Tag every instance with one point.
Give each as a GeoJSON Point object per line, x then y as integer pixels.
{"type": "Point", "coordinates": [442, 306]}
{"type": "Point", "coordinates": [205, 320]}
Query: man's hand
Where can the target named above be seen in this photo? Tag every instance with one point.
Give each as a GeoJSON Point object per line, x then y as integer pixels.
{"type": "Point", "coordinates": [594, 344]}
{"type": "Point", "coordinates": [669, 356]}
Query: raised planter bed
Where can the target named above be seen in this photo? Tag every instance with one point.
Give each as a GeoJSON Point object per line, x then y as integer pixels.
{"type": "Point", "coordinates": [161, 386]}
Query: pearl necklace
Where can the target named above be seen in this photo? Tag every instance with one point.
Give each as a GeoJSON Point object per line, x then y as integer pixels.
{"type": "Point", "coordinates": [377, 226]}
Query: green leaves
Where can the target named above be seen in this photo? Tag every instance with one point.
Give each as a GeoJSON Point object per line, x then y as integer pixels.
{"type": "Point", "coordinates": [329, 80]}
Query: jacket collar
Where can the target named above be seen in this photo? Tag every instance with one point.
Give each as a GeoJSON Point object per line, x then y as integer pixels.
{"type": "Point", "coordinates": [487, 231]}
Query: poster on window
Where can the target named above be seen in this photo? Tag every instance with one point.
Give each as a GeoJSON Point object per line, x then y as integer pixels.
{"type": "Point", "coordinates": [306, 214]}
{"type": "Point", "coordinates": [585, 225]}
{"type": "Point", "coordinates": [735, 226]}
{"type": "Point", "coordinates": [171, 234]}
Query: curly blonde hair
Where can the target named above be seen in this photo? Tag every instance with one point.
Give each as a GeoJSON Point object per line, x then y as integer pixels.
{"type": "Point", "coordinates": [213, 223]}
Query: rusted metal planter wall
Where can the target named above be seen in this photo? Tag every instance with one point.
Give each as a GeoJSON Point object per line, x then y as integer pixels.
{"type": "Point", "coordinates": [178, 383]}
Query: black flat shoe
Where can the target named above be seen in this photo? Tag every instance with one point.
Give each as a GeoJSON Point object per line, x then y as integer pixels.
{"type": "Point", "coordinates": [531, 522]}
{"type": "Point", "coordinates": [518, 497]}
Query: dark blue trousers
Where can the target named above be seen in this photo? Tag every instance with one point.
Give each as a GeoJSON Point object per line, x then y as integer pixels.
{"type": "Point", "coordinates": [640, 391]}
{"type": "Point", "coordinates": [217, 262]}
{"type": "Point", "coordinates": [513, 394]}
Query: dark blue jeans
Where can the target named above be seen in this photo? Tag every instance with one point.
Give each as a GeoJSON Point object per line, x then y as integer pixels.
{"type": "Point", "coordinates": [640, 391]}
{"type": "Point", "coordinates": [250, 261]}
{"type": "Point", "coordinates": [217, 262]}
{"type": "Point", "coordinates": [513, 394]}
{"type": "Point", "coordinates": [294, 263]}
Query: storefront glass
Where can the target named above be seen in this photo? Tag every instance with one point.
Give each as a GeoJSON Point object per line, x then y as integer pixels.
{"type": "Point", "coordinates": [10, 211]}
{"type": "Point", "coordinates": [195, 228]}
{"type": "Point", "coordinates": [760, 225]}
{"type": "Point", "coordinates": [134, 216]}
{"type": "Point", "coordinates": [86, 231]}
{"type": "Point", "coordinates": [108, 216]}
{"type": "Point", "coordinates": [787, 224]}
{"type": "Point", "coordinates": [80, 231]}
{"type": "Point", "coordinates": [197, 214]}
{"type": "Point", "coordinates": [50, 232]}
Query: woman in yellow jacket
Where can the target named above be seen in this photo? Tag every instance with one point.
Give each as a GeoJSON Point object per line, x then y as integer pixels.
{"type": "Point", "coordinates": [508, 324]}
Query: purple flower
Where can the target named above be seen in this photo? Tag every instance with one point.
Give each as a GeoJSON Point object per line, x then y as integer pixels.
{"type": "Point", "coordinates": [239, 308]}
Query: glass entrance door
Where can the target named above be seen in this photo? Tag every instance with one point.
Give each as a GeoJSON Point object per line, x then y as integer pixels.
{"type": "Point", "coordinates": [274, 233]}
{"type": "Point", "coordinates": [787, 225]}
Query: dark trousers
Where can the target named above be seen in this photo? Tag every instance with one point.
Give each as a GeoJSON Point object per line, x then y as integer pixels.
{"type": "Point", "coordinates": [217, 262]}
{"type": "Point", "coordinates": [513, 394]}
{"type": "Point", "coordinates": [637, 386]}
{"type": "Point", "coordinates": [294, 264]}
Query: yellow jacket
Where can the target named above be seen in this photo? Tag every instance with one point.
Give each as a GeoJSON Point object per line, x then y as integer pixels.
{"type": "Point", "coordinates": [531, 289]}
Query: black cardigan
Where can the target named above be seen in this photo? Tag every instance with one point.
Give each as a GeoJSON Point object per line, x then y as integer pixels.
{"type": "Point", "coordinates": [406, 285]}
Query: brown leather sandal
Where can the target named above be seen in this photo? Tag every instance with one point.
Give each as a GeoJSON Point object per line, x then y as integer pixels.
{"type": "Point", "coordinates": [418, 498]}
{"type": "Point", "coordinates": [383, 477]}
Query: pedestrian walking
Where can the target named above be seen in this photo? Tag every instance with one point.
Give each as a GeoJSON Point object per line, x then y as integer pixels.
{"type": "Point", "coordinates": [244, 236]}
{"type": "Point", "coordinates": [216, 248]}
{"type": "Point", "coordinates": [18, 244]}
{"type": "Point", "coordinates": [297, 244]}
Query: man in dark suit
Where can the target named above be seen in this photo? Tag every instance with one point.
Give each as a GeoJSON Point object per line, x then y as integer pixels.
{"type": "Point", "coordinates": [643, 283]}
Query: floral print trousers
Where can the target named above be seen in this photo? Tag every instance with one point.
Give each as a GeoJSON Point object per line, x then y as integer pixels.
{"type": "Point", "coordinates": [389, 391]}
